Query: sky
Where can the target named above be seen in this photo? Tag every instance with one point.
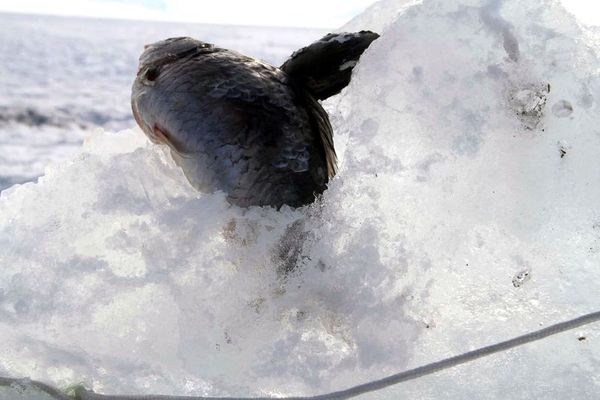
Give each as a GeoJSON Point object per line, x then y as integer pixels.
{"type": "Point", "coordinates": [305, 13]}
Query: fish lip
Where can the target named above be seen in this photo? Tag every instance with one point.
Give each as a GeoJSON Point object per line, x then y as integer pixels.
{"type": "Point", "coordinates": [137, 116]}
{"type": "Point", "coordinates": [143, 125]}
{"type": "Point", "coordinates": [160, 135]}
{"type": "Point", "coordinates": [151, 133]}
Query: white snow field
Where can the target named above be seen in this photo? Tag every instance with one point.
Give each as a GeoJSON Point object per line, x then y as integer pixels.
{"type": "Point", "coordinates": [465, 212]}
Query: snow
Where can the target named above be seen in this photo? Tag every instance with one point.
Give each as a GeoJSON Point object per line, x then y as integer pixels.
{"type": "Point", "coordinates": [464, 213]}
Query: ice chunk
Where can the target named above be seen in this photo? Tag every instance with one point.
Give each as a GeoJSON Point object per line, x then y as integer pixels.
{"type": "Point", "coordinates": [462, 145]}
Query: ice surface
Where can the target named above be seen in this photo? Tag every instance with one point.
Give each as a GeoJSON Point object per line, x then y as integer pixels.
{"type": "Point", "coordinates": [465, 212]}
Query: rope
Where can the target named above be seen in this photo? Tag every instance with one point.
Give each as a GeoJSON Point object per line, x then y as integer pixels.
{"type": "Point", "coordinates": [80, 393]}
{"type": "Point", "coordinates": [83, 394]}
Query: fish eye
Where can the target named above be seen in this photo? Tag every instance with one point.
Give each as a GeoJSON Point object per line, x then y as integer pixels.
{"type": "Point", "coordinates": [149, 76]}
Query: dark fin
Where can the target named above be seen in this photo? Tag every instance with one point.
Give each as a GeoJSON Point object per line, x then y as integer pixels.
{"type": "Point", "coordinates": [324, 68]}
{"type": "Point", "coordinates": [321, 123]}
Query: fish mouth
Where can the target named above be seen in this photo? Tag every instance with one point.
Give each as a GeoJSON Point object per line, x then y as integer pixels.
{"type": "Point", "coordinates": [157, 133]}
{"type": "Point", "coordinates": [162, 135]}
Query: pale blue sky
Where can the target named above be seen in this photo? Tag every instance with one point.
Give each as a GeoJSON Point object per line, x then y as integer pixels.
{"type": "Point", "coordinates": [304, 13]}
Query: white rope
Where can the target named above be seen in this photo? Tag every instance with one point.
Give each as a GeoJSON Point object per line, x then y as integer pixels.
{"type": "Point", "coordinates": [83, 394]}
{"type": "Point", "coordinates": [80, 393]}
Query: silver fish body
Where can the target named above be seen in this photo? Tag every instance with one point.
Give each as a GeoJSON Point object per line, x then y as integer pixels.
{"type": "Point", "coordinates": [234, 123]}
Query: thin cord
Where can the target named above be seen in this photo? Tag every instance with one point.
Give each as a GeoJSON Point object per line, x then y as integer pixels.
{"type": "Point", "coordinates": [80, 393]}
{"type": "Point", "coordinates": [83, 394]}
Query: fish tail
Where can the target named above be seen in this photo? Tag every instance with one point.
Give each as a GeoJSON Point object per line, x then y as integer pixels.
{"type": "Point", "coordinates": [324, 68]}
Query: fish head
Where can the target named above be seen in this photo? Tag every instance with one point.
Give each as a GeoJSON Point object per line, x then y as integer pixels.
{"type": "Point", "coordinates": [147, 100]}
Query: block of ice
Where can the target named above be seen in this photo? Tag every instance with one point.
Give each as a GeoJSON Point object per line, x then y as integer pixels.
{"type": "Point", "coordinates": [464, 213]}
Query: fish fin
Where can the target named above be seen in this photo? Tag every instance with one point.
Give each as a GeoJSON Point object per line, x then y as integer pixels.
{"type": "Point", "coordinates": [321, 123]}
{"type": "Point", "coordinates": [324, 68]}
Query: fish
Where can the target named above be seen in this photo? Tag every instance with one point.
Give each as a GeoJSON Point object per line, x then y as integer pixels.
{"type": "Point", "coordinates": [239, 125]}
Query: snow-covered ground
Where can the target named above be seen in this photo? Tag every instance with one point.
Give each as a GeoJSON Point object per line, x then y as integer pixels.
{"type": "Point", "coordinates": [465, 212]}
{"type": "Point", "coordinates": [61, 78]}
